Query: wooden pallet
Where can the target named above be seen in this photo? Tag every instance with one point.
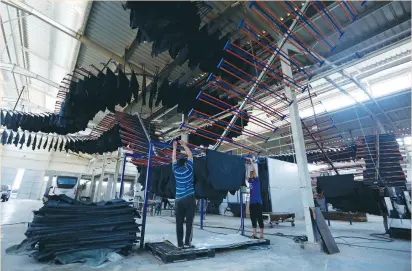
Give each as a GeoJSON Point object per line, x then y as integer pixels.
{"type": "Point", "coordinates": [168, 253]}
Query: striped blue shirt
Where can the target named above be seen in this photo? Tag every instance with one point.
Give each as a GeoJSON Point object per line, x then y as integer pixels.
{"type": "Point", "coordinates": [184, 179]}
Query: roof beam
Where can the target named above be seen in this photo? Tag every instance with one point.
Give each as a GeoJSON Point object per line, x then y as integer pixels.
{"type": "Point", "coordinates": [13, 68]}
{"type": "Point", "coordinates": [76, 35]}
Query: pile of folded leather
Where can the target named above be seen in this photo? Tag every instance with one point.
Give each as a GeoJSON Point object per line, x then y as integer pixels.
{"type": "Point", "coordinates": [64, 227]}
{"type": "Point", "coordinates": [382, 156]}
{"type": "Point", "coordinates": [214, 176]}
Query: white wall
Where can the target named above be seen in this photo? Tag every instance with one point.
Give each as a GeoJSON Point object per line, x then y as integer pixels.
{"type": "Point", "coordinates": [40, 163]}
{"type": "Point", "coordinates": [284, 187]}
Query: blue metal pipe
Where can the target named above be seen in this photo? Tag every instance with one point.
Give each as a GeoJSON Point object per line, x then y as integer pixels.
{"type": "Point", "coordinates": [240, 113]}
{"type": "Point", "coordinates": [148, 171]}
{"type": "Point", "coordinates": [233, 127]}
{"type": "Point", "coordinates": [201, 213]}
{"type": "Point", "coordinates": [263, 106]}
{"type": "Point", "coordinates": [350, 11]}
{"type": "Point", "coordinates": [329, 18]}
{"type": "Point", "coordinates": [273, 71]}
{"type": "Point", "coordinates": [310, 25]}
{"type": "Point", "coordinates": [122, 179]}
{"type": "Point", "coordinates": [242, 220]}
{"type": "Point", "coordinates": [250, 79]}
{"type": "Point", "coordinates": [288, 34]}
{"type": "Point", "coordinates": [278, 51]}
{"type": "Point", "coordinates": [218, 138]}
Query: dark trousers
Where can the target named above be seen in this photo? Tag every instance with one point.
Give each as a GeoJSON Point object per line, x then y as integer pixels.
{"type": "Point", "coordinates": [256, 215]}
{"type": "Point", "coordinates": [185, 208]}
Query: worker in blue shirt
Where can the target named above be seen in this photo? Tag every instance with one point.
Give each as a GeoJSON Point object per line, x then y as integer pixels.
{"type": "Point", "coordinates": [185, 204]}
{"type": "Point", "coordinates": [256, 205]}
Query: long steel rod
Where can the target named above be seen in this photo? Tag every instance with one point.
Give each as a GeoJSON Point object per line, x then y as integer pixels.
{"type": "Point", "coordinates": [148, 171]}
{"type": "Point", "coordinates": [18, 99]}
{"type": "Point", "coordinates": [320, 148]}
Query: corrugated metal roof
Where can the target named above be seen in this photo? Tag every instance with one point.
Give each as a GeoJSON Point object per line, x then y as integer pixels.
{"type": "Point", "coordinates": [378, 22]}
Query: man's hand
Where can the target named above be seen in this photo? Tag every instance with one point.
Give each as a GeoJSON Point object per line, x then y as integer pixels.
{"type": "Point", "coordinates": [187, 150]}
{"type": "Point", "coordinates": [182, 143]}
{"type": "Point", "coordinates": [174, 143]}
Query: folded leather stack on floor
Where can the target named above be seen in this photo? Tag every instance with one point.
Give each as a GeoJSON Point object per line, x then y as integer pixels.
{"type": "Point", "coordinates": [64, 227]}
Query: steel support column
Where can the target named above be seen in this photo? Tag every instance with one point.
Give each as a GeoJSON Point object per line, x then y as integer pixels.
{"type": "Point", "coordinates": [99, 187]}
{"type": "Point", "coordinates": [146, 188]}
{"type": "Point", "coordinates": [122, 179]}
{"type": "Point", "coordinates": [116, 171]}
{"type": "Point", "coordinates": [300, 152]}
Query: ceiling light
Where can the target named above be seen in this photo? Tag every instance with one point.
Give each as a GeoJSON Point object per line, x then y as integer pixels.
{"type": "Point", "coordinates": [288, 14]}
{"type": "Point", "coordinates": [281, 18]}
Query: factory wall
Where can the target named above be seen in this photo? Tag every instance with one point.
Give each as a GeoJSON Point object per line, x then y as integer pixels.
{"type": "Point", "coordinates": [284, 186]}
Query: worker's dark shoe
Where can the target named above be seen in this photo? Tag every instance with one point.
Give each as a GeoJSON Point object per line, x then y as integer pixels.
{"type": "Point", "coordinates": [188, 246]}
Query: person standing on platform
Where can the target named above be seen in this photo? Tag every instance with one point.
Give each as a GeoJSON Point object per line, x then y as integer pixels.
{"type": "Point", "coordinates": [185, 203]}
{"type": "Point", "coordinates": [256, 204]}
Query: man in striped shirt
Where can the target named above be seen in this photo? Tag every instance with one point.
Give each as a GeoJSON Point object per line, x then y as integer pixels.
{"type": "Point", "coordinates": [185, 203]}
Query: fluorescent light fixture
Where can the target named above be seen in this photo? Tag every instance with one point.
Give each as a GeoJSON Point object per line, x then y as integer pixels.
{"type": "Point", "coordinates": [18, 179]}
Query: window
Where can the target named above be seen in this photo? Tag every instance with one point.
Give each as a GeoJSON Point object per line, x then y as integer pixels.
{"type": "Point", "coordinates": [66, 182]}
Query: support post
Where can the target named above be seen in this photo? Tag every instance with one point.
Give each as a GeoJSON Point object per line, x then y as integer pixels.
{"type": "Point", "coordinates": [99, 187]}
{"type": "Point", "coordinates": [109, 188]}
{"type": "Point", "coordinates": [201, 213]}
{"type": "Point", "coordinates": [122, 180]}
{"type": "Point", "coordinates": [185, 136]}
{"type": "Point", "coordinates": [146, 188]}
{"type": "Point", "coordinates": [327, 211]}
{"type": "Point", "coordinates": [300, 151]}
{"type": "Point", "coordinates": [242, 221]}
{"type": "Point", "coordinates": [116, 171]}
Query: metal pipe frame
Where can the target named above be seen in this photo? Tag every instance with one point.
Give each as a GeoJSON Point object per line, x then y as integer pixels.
{"type": "Point", "coordinates": [260, 77]}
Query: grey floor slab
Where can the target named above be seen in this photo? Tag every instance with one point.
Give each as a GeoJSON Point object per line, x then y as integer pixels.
{"type": "Point", "coordinates": [283, 254]}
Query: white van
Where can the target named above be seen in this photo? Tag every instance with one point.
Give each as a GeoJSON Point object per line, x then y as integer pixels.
{"type": "Point", "coordinates": [63, 185]}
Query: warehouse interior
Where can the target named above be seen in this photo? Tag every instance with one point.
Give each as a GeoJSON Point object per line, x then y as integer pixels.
{"type": "Point", "coordinates": [310, 98]}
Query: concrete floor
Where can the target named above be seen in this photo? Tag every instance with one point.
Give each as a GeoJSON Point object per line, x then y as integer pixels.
{"type": "Point", "coordinates": [283, 254]}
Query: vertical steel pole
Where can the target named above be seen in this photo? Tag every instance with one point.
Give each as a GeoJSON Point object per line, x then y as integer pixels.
{"type": "Point", "coordinates": [242, 224]}
{"type": "Point", "coordinates": [146, 188]}
{"type": "Point", "coordinates": [201, 213]}
{"type": "Point", "coordinates": [327, 211]}
{"type": "Point", "coordinates": [122, 180]}
{"type": "Point", "coordinates": [300, 152]}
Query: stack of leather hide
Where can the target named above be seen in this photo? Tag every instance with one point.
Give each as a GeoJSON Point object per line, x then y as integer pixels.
{"type": "Point", "coordinates": [64, 227]}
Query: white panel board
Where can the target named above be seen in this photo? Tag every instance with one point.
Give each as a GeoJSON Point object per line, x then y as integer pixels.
{"type": "Point", "coordinates": [284, 186]}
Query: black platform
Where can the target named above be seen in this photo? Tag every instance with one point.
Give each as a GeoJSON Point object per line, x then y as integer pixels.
{"type": "Point", "coordinates": [168, 253]}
